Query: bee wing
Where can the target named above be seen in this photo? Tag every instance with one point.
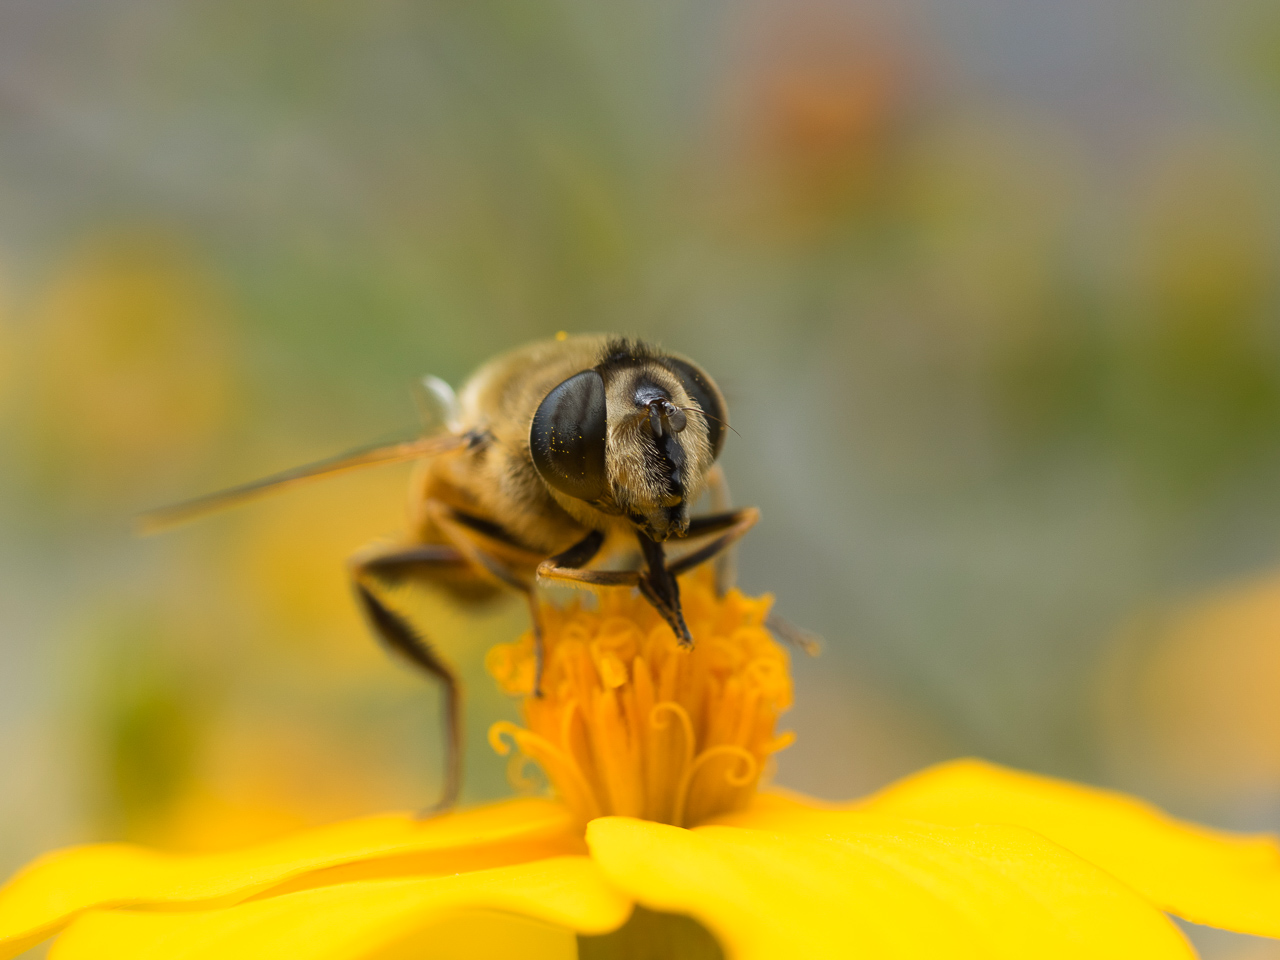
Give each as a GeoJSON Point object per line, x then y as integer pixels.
{"type": "Point", "coordinates": [437, 404]}
{"type": "Point", "coordinates": [154, 521]}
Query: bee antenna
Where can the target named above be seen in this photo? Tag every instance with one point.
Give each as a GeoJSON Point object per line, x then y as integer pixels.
{"type": "Point", "coordinates": [723, 423]}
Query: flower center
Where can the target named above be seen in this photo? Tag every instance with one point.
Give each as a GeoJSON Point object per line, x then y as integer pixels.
{"type": "Point", "coordinates": [630, 723]}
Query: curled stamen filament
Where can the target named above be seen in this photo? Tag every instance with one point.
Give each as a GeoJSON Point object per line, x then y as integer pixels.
{"type": "Point", "coordinates": [518, 775]}
{"type": "Point", "coordinates": [659, 772]}
{"type": "Point", "coordinates": [670, 708]}
{"type": "Point", "coordinates": [750, 767]}
{"type": "Point", "coordinates": [530, 743]}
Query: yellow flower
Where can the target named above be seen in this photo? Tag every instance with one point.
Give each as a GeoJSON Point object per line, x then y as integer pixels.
{"type": "Point", "coordinates": [962, 860]}
{"type": "Point", "coordinates": [631, 724]}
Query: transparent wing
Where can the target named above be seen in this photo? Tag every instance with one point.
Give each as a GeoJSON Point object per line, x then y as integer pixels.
{"type": "Point", "coordinates": [154, 521]}
{"type": "Point", "coordinates": [437, 404]}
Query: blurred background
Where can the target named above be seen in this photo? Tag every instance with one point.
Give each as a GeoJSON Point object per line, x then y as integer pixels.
{"type": "Point", "coordinates": [991, 287]}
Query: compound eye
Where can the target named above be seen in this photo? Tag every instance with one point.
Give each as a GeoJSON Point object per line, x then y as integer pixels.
{"type": "Point", "coordinates": [703, 389]}
{"type": "Point", "coordinates": [567, 437]}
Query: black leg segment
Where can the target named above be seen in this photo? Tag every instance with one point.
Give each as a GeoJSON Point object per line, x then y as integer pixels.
{"type": "Point", "coordinates": [734, 524]}
{"type": "Point", "coordinates": [659, 586]}
{"type": "Point", "coordinates": [392, 567]}
{"type": "Point", "coordinates": [582, 552]}
{"type": "Point", "coordinates": [570, 560]}
{"type": "Point", "coordinates": [396, 632]}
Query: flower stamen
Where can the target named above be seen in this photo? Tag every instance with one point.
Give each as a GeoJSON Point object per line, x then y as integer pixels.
{"type": "Point", "coordinates": [631, 723]}
{"type": "Point", "coordinates": [544, 752]}
{"type": "Point", "coordinates": [750, 769]}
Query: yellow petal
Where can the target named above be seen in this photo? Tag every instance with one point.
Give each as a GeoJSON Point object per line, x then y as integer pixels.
{"type": "Point", "coordinates": [884, 888]}
{"type": "Point", "coordinates": [484, 935]}
{"type": "Point", "coordinates": [1206, 876]}
{"type": "Point", "coordinates": [47, 894]}
{"type": "Point", "coordinates": [369, 918]}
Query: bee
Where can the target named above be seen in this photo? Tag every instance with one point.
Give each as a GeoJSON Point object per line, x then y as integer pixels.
{"type": "Point", "coordinates": [576, 460]}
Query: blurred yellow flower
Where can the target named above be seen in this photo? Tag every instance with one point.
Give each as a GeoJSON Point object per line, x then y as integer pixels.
{"type": "Point", "coordinates": [962, 860]}
{"type": "Point", "coordinates": [1192, 695]}
{"type": "Point", "coordinates": [129, 365]}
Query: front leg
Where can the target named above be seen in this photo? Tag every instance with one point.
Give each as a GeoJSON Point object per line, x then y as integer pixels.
{"type": "Point", "coordinates": [726, 564]}
{"type": "Point", "coordinates": [656, 582]}
{"type": "Point", "coordinates": [659, 586]}
{"type": "Point", "coordinates": [731, 527]}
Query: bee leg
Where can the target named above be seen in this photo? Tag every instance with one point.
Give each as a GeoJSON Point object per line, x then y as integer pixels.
{"type": "Point", "coordinates": [390, 568]}
{"type": "Point", "coordinates": [492, 550]}
{"type": "Point", "coordinates": [487, 546]}
{"type": "Point", "coordinates": [659, 586]}
{"type": "Point", "coordinates": [657, 583]}
{"type": "Point", "coordinates": [539, 646]}
{"type": "Point", "coordinates": [397, 634]}
{"type": "Point", "coordinates": [549, 570]}
{"type": "Point", "coordinates": [789, 633]}
{"type": "Point", "coordinates": [726, 568]}
{"type": "Point", "coordinates": [566, 568]}
{"type": "Point", "coordinates": [735, 524]}
{"type": "Point", "coordinates": [580, 553]}
{"type": "Point", "coordinates": [567, 565]}
{"type": "Point", "coordinates": [560, 568]}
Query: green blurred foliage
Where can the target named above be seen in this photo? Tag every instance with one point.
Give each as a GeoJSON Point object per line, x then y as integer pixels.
{"type": "Point", "coordinates": [148, 717]}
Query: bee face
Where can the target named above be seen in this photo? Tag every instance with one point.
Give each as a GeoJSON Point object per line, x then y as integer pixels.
{"type": "Point", "coordinates": [634, 435]}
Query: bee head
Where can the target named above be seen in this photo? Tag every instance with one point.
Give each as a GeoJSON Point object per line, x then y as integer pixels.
{"type": "Point", "coordinates": [634, 435]}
